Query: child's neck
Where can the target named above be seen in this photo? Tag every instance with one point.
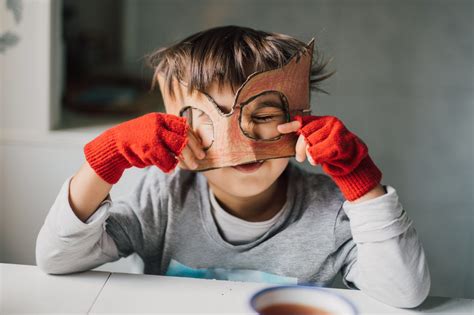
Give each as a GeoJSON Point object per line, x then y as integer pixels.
{"type": "Point", "coordinates": [256, 208]}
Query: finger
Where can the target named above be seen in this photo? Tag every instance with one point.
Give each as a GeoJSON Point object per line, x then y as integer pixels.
{"type": "Point", "coordinates": [300, 149]}
{"type": "Point", "coordinates": [182, 164]}
{"type": "Point", "coordinates": [324, 128]}
{"type": "Point", "coordinates": [195, 146]}
{"type": "Point", "coordinates": [188, 157]}
{"type": "Point", "coordinates": [289, 127]}
{"type": "Point", "coordinates": [310, 159]}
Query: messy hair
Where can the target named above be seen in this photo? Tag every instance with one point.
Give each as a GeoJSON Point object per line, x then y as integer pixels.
{"type": "Point", "coordinates": [227, 55]}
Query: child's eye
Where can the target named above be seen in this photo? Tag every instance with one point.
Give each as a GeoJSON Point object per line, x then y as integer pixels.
{"type": "Point", "coordinates": [261, 119]}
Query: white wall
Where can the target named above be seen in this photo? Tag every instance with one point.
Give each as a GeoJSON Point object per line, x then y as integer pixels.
{"type": "Point", "coordinates": [27, 72]}
{"type": "Point", "coordinates": [33, 172]}
{"type": "Point", "coordinates": [404, 85]}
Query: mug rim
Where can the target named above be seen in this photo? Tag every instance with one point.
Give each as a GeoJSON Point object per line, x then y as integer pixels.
{"type": "Point", "coordinates": [265, 290]}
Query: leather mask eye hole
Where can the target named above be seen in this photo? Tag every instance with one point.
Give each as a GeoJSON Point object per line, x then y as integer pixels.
{"type": "Point", "coordinates": [261, 115]}
{"type": "Point", "coordinates": [201, 124]}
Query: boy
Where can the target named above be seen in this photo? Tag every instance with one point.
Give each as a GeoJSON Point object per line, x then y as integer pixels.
{"type": "Point", "coordinates": [237, 105]}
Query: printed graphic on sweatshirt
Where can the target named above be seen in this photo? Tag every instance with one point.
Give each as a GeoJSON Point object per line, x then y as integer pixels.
{"type": "Point", "coordinates": [177, 269]}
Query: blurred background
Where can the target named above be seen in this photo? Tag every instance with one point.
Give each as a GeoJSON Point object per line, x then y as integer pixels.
{"type": "Point", "coordinates": [404, 83]}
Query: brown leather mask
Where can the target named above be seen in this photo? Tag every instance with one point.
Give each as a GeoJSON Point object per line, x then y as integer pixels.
{"type": "Point", "coordinates": [247, 133]}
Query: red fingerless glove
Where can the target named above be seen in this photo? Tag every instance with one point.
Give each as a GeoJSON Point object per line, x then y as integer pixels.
{"type": "Point", "coordinates": [341, 153]}
{"type": "Point", "coordinates": [152, 139]}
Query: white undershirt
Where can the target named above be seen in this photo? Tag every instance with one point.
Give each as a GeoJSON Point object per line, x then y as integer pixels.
{"type": "Point", "coordinates": [237, 231]}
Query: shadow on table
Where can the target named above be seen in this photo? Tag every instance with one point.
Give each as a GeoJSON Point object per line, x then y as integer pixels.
{"type": "Point", "coordinates": [437, 304]}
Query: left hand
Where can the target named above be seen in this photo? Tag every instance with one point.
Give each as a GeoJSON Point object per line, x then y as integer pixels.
{"type": "Point", "coordinates": [301, 149]}
{"type": "Point", "coordinates": [325, 140]}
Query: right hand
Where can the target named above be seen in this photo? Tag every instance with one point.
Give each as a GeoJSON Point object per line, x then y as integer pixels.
{"type": "Point", "coordinates": [156, 139]}
{"type": "Point", "coordinates": [192, 151]}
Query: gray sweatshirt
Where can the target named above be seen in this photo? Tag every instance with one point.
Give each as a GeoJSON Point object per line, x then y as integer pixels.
{"type": "Point", "coordinates": [167, 220]}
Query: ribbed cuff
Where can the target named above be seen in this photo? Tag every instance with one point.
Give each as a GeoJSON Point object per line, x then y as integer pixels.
{"type": "Point", "coordinates": [104, 157]}
{"type": "Point", "coordinates": [360, 181]}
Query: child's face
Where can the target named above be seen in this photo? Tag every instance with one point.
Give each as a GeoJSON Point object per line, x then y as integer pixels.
{"type": "Point", "coordinates": [242, 181]}
{"type": "Point", "coordinates": [242, 184]}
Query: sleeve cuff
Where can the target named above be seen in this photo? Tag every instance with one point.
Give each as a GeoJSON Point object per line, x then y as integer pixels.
{"type": "Point", "coordinates": [65, 221]}
{"type": "Point", "coordinates": [100, 212]}
{"type": "Point", "coordinates": [377, 219]}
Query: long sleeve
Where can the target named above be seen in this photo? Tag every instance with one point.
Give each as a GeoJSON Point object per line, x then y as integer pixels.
{"type": "Point", "coordinates": [65, 244]}
{"type": "Point", "coordinates": [388, 261]}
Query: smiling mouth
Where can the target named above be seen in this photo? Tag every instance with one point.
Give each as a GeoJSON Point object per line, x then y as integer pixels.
{"type": "Point", "coordinates": [249, 167]}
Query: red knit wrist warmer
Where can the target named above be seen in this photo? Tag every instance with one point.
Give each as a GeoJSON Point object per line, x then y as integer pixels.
{"type": "Point", "coordinates": [360, 181]}
{"type": "Point", "coordinates": [104, 157]}
{"type": "Point", "coordinates": [341, 154]}
{"type": "Point", "coordinates": [152, 139]}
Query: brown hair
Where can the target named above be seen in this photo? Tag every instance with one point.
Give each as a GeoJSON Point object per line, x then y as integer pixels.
{"type": "Point", "coordinates": [228, 55]}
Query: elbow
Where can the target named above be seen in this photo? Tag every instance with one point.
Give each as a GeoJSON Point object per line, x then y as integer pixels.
{"type": "Point", "coordinates": [412, 298]}
{"type": "Point", "coordinates": [44, 266]}
{"type": "Point", "coordinates": [418, 289]}
{"type": "Point", "coordinates": [47, 263]}
{"type": "Point", "coordinates": [418, 293]}
{"type": "Point", "coordinates": [407, 297]}
{"type": "Point", "coordinates": [402, 291]}
{"type": "Point", "coordinates": [49, 258]}
{"type": "Point", "coordinates": [413, 294]}
{"type": "Point", "coordinates": [57, 258]}
{"type": "Point", "coordinates": [42, 255]}
{"type": "Point", "coordinates": [53, 263]}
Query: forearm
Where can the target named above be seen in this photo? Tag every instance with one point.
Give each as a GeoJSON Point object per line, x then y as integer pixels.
{"type": "Point", "coordinates": [377, 191]}
{"type": "Point", "coordinates": [87, 190]}
{"type": "Point", "coordinates": [390, 264]}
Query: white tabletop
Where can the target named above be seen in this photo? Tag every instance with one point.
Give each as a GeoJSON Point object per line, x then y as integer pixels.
{"type": "Point", "coordinates": [25, 289]}
{"type": "Point", "coordinates": [170, 295]}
